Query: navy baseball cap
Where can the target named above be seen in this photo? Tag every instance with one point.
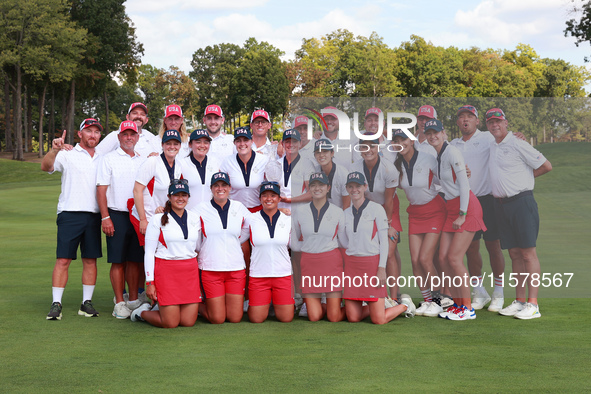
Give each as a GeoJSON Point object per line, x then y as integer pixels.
{"type": "Point", "coordinates": [220, 176]}
{"type": "Point", "coordinates": [199, 133]}
{"type": "Point", "coordinates": [369, 141]}
{"type": "Point", "coordinates": [323, 145]}
{"type": "Point", "coordinates": [178, 186]}
{"type": "Point", "coordinates": [269, 186]}
{"type": "Point", "coordinates": [399, 133]}
{"type": "Point", "coordinates": [291, 133]}
{"type": "Point", "coordinates": [242, 132]}
{"type": "Point", "coordinates": [434, 124]}
{"type": "Point", "coordinates": [319, 177]}
{"type": "Point", "coordinates": [356, 177]}
{"type": "Point", "coordinates": [171, 134]}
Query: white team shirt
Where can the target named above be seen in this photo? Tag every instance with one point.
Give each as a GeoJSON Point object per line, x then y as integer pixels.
{"type": "Point", "coordinates": [511, 166]}
{"type": "Point", "coordinates": [383, 176]}
{"type": "Point", "coordinates": [451, 172]}
{"type": "Point", "coordinates": [300, 173]}
{"type": "Point", "coordinates": [370, 238]}
{"type": "Point", "coordinates": [476, 152]}
{"type": "Point", "coordinates": [118, 170]}
{"type": "Point", "coordinates": [78, 170]}
{"type": "Point", "coordinates": [220, 248]}
{"type": "Point", "coordinates": [418, 178]}
{"type": "Point", "coordinates": [307, 151]}
{"type": "Point", "coordinates": [247, 195]}
{"type": "Point", "coordinates": [270, 256]}
{"type": "Point", "coordinates": [330, 224]}
{"type": "Point", "coordinates": [146, 144]}
{"type": "Point", "coordinates": [200, 189]}
{"type": "Point", "coordinates": [169, 242]}
{"type": "Point", "coordinates": [267, 149]}
{"type": "Point", "coordinates": [154, 175]}
{"type": "Point", "coordinates": [222, 146]}
{"type": "Point", "coordinates": [425, 147]}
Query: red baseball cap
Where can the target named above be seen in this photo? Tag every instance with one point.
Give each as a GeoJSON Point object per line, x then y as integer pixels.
{"type": "Point", "coordinates": [428, 111]}
{"type": "Point", "coordinates": [300, 120]}
{"type": "Point", "coordinates": [173, 110]}
{"type": "Point", "coordinates": [373, 111]}
{"type": "Point", "coordinates": [328, 112]}
{"type": "Point", "coordinates": [90, 122]}
{"type": "Point", "coordinates": [128, 125]}
{"type": "Point", "coordinates": [141, 105]}
{"type": "Point", "coordinates": [213, 109]}
{"type": "Point", "coordinates": [260, 113]}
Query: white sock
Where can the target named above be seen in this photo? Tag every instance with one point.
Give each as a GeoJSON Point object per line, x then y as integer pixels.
{"type": "Point", "coordinates": [477, 284]}
{"type": "Point", "coordinates": [57, 293]}
{"type": "Point", "coordinates": [498, 286]}
{"type": "Point", "coordinates": [87, 291]}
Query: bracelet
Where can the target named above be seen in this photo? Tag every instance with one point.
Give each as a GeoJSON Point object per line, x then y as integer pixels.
{"type": "Point", "coordinates": [105, 218]}
{"type": "Point", "coordinates": [150, 283]}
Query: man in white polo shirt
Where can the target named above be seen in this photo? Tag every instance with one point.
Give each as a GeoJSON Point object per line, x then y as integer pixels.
{"type": "Point", "coordinates": [513, 166]}
{"type": "Point", "coordinates": [115, 180]}
{"type": "Point", "coordinates": [222, 144]}
{"type": "Point", "coordinates": [425, 114]}
{"type": "Point", "coordinates": [147, 143]}
{"type": "Point", "coordinates": [260, 124]}
{"type": "Point", "coordinates": [343, 149]}
{"type": "Point", "coordinates": [307, 147]}
{"type": "Point", "coordinates": [78, 218]}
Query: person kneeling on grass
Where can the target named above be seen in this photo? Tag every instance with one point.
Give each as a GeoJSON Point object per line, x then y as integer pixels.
{"type": "Point", "coordinates": [172, 273]}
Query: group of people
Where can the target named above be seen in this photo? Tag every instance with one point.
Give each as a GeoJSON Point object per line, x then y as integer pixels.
{"type": "Point", "coordinates": [216, 225]}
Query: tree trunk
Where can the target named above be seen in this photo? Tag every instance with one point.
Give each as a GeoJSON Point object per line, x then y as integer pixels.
{"type": "Point", "coordinates": [41, 116]}
{"type": "Point", "coordinates": [64, 113]}
{"type": "Point", "coordinates": [18, 116]}
{"type": "Point", "coordinates": [29, 99]}
{"type": "Point", "coordinates": [51, 131]}
{"type": "Point", "coordinates": [70, 114]}
{"type": "Point", "coordinates": [8, 132]}
{"type": "Point", "coordinates": [25, 121]}
{"type": "Point", "coordinates": [106, 124]}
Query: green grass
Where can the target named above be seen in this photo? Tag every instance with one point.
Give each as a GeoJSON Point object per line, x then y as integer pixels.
{"type": "Point", "coordinates": [490, 354]}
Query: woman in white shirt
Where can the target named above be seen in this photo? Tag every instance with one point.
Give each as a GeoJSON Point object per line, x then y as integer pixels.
{"type": "Point", "coordinates": [270, 266]}
{"type": "Point", "coordinates": [464, 218]}
{"type": "Point", "coordinates": [172, 273]}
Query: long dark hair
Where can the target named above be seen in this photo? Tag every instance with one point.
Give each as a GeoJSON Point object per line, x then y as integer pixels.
{"type": "Point", "coordinates": [398, 163]}
{"type": "Point", "coordinates": [167, 209]}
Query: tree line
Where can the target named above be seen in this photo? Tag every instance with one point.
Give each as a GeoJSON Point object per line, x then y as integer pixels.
{"type": "Point", "coordinates": [65, 60]}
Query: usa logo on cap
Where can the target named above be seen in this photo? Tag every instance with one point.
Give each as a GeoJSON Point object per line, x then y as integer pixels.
{"type": "Point", "coordinates": [173, 110]}
{"type": "Point", "coordinates": [213, 109]}
{"type": "Point", "coordinates": [373, 111]}
{"type": "Point", "coordinates": [260, 113]}
{"type": "Point", "coordinates": [128, 125]}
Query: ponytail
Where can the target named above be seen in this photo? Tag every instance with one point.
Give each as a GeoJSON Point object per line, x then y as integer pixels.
{"type": "Point", "coordinates": [398, 165]}
{"type": "Point", "coordinates": [167, 209]}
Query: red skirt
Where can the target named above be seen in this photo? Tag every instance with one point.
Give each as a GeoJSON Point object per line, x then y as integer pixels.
{"type": "Point", "coordinates": [396, 214]}
{"type": "Point", "coordinates": [473, 221]}
{"type": "Point", "coordinates": [360, 281]}
{"type": "Point", "coordinates": [177, 281]}
{"type": "Point", "coordinates": [427, 218]}
{"type": "Point", "coordinates": [318, 271]}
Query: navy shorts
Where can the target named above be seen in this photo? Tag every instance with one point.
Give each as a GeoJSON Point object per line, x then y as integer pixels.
{"type": "Point", "coordinates": [124, 244]}
{"type": "Point", "coordinates": [78, 228]}
{"type": "Point", "coordinates": [518, 220]}
{"type": "Point", "coordinates": [489, 218]}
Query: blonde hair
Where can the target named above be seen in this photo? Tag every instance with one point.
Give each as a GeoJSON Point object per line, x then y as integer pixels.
{"type": "Point", "coordinates": [182, 130]}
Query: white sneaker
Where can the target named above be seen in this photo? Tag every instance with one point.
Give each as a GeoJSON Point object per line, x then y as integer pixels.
{"type": "Point", "coordinates": [512, 309]}
{"type": "Point", "coordinates": [496, 304]}
{"type": "Point", "coordinates": [410, 306]}
{"type": "Point", "coordinates": [245, 306]}
{"type": "Point", "coordinates": [449, 310]}
{"type": "Point", "coordinates": [121, 311]}
{"type": "Point", "coordinates": [480, 298]}
{"type": "Point", "coordinates": [433, 310]}
{"type": "Point", "coordinates": [461, 313]}
{"type": "Point", "coordinates": [303, 311]}
{"type": "Point", "coordinates": [530, 311]}
{"type": "Point", "coordinates": [125, 298]}
{"type": "Point", "coordinates": [143, 297]}
{"type": "Point", "coordinates": [389, 303]}
{"type": "Point", "coordinates": [298, 300]}
{"type": "Point", "coordinates": [134, 304]}
{"type": "Point", "coordinates": [136, 315]}
{"type": "Point", "coordinates": [446, 302]}
{"type": "Point", "coordinates": [156, 307]}
{"type": "Point", "coordinates": [422, 308]}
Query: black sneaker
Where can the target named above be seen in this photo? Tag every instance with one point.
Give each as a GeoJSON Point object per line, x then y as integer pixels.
{"type": "Point", "coordinates": [55, 312]}
{"type": "Point", "coordinates": [86, 309]}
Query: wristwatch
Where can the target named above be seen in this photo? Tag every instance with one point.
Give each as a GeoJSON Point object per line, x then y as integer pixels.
{"type": "Point", "coordinates": [462, 213]}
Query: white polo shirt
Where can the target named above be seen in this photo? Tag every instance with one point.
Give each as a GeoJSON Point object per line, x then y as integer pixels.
{"type": "Point", "coordinates": [200, 188]}
{"type": "Point", "coordinates": [146, 144]}
{"type": "Point", "coordinates": [154, 175]}
{"type": "Point", "coordinates": [418, 178]}
{"type": "Point", "coordinates": [451, 172]}
{"type": "Point", "coordinates": [307, 151]}
{"type": "Point", "coordinates": [425, 147]}
{"type": "Point", "coordinates": [78, 170]}
{"type": "Point", "coordinates": [383, 176]}
{"type": "Point", "coordinates": [169, 242]}
{"type": "Point", "coordinates": [222, 146]}
{"type": "Point", "coordinates": [370, 236]}
{"type": "Point", "coordinates": [300, 173]}
{"type": "Point", "coordinates": [270, 256]}
{"type": "Point", "coordinates": [476, 152]}
{"type": "Point", "coordinates": [319, 231]}
{"type": "Point", "coordinates": [343, 151]}
{"type": "Point", "coordinates": [220, 247]}
{"type": "Point", "coordinates": [255, 174]}
{"type": "Point", "coordinates": [267, 149]}
{"type": "Point", "coordinates": [512, 164]}
{"type": "Point", "coordinates": [118, 170]}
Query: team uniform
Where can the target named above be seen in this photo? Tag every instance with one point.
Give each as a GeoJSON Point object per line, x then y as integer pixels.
{"type": "Point", "coordinates": [292, 177]}
{"type": "Point", "coordinates": [512, 162]}
{"type": "Point", "coordinates": [146, 144]}
{"type": "Point", "coordinates": [220, 258]}
{"type": "Point", "coordinates": [221, 147]}
{"type": "Point", "coordinates": [319, 233]}
{"type": "Point", "coordinates": [246, 181]}
{"type": "Point", "coordinates": [199, 177]}
{"type": "Point", "coordinates": [425, 147]}
{"type": "Point", "coordinates": [366, 231]}
{"type": "Point", "coordinates": [267, 149]}
{"type": "Point", "coordinates": [337, 178]}
{"type": "Point", "coordinates": [343, 151]}
{"type": "Point", "coordinates": [184, 150]}
{"type": "Point", "coordinates": [307, 151]}
{"type": "Point", "coordinates": [451, 172]}
{"type": "Point", "coordinates": [426, 210]}
{"type": "Point", "coordinates": [270, 263]}
{"type": "Point", "coordinates": [170, 258]}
